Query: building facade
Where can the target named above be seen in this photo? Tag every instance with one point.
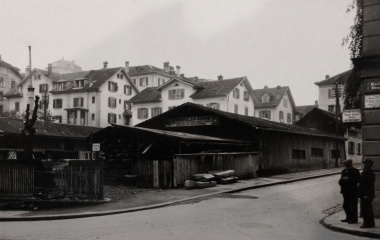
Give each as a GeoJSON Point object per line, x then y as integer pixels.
{"type": "Point", "coordinates": [230, 95]}
{"type": "Point", "coordinates": [275, 104]}
{"type": "Point", "coordinates": [10, 77]}
{"type": "Point", "coordinates": [62, 66]}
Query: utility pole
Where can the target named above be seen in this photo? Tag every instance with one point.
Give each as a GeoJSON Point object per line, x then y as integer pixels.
{"type": "Point", "coordinates": [337, 124]}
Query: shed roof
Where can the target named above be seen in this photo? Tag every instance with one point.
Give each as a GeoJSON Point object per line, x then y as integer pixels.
{"type": "Point", "coordinates": [14, 126]}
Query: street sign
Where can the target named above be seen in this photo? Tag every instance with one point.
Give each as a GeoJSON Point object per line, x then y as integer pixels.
{"type": "Point", "coordinates": [353, 115]}
{"type": "Point", "coordinates": [372, 101]}
{"type": "Point", "coordinates": [96, 147]}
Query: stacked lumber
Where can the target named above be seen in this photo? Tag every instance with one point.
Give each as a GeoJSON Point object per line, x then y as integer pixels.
{"type": "Point", "coordinates": [225, 177]}
{"type": "Point", "coordinates": [211, 179]}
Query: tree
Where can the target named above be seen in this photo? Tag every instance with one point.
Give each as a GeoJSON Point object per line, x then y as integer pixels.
{"type": "Point", "coordinates": [352, 97]}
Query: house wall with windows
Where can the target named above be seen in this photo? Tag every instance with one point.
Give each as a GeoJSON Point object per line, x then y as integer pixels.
{"type": "Point", "coordinates": [239, 101]}
{"type": "Point", "coordinates": [284, 110]}
{"type": "Point", "coordinates": [149, 80]}
{"type": "Point", "coordinates": [327, 100]}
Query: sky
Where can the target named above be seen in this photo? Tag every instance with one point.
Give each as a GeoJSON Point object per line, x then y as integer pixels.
{"type": "Point", "coordinates": [272, 42]}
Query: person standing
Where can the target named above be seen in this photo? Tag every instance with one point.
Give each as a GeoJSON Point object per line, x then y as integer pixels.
{"type": "Point", "coordinates": [367, 194]}
{"type": "Point", "coordinates": [348, 184]}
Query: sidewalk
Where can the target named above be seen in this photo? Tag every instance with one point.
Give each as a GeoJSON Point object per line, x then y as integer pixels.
{"type": "Point", "coordinates": [144, 199]}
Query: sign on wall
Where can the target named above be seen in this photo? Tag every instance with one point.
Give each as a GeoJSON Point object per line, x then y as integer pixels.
{"type": "Point", "coordinates": [96, 147]}
{"type": "Point", "coordinates": [373, 85]}
{"type": "Point", "coordinates": [352, 115]}
{"type": "Point", "coordinates": [193, 121]}
{"type": "Point", "coordinates": [372, 101]}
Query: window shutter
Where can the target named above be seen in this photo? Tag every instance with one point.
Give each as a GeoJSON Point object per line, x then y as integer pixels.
{"type": "Point", "coordinates": [109, 117]}
{"type": "Point", "coordinates": [81, 102]}
{"type": "Point", "coordinates": [116, 87]}
{"type": "Point", "coordinates": [54, 103]}
{"type": "Point", "coordinates": [109, 86]}
{"type": "Point", "coordinates": [125, 89]}
{"type": "Point", "coordinates": [109, 102]}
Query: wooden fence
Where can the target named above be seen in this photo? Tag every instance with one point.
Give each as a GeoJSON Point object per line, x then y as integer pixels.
{"type": "Point", "coordinates": [15, 178]}
{"type": "Point", "coordinates": [174, 172]}
{"type": "Point", "coordinates": [81, 178]}
{"type": "Point", "coordinates": [245, 164]}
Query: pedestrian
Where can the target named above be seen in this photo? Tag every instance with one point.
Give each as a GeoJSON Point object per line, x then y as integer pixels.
{"type": "Point", "coordinates": [348, 187]}
{"type": "Point", "coordinates": [367, 194]}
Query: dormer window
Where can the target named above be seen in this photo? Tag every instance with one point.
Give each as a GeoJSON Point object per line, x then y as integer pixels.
{"type": "Point", "coordinates": [265, 98]}
{"type": "Point", "coordinates": [79, 83]}
{"type": "Point", "coordinates": [60, 86]}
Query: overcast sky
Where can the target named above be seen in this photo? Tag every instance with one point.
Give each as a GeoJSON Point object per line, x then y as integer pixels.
{"type": "Point", "coordinates": [273, 42]}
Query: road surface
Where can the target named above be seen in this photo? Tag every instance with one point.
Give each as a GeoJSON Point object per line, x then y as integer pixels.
{"type": "Point", "coordinates": [284, 212]}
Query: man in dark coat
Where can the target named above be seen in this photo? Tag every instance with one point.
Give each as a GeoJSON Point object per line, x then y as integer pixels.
{"type": "Point", "coordinates": [367, 194]}
{"type": "Point", "coordinates": [348, 184]}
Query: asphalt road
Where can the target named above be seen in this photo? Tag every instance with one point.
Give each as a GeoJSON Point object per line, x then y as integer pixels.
{"type": "Point", "coordinates": [288, 211]}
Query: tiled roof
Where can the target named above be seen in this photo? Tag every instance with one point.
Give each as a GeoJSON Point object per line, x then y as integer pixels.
{"type": "Point", "coordinates": [149, 94]}
{"type": "Point", "coordinates": [255, 122]}
{"type": "Point", "coordinates": [145, 69]}
{"type": "Point", "coordinates": [341, 78]}
{"type": "Point", "coordinates": [9, 66]}
{"type": "Point", "coordinates": [216, 88]}
{"type": "Point", "coordinates": [14, 126]}
{"type": "Point", "coordinates": [324, 112]}
{"type": "Point", "coordinates": [304, 109]}
{"type": "Point", "coordinates": [275, 96]}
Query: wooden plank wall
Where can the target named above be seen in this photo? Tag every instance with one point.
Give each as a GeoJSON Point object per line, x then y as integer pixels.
{"type": "Point", "coordinates": [155, 173]}
{"type": "Point", "coordinates": [277, 152]}
{"type": "Point", "coordinates": [82, 178]}
{"type": "Point", "coordinates": [16, 178]}
{"type": "Point", "coordinates": [185, 165]}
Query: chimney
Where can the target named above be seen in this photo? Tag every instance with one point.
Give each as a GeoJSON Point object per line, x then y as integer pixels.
{"type": "Point", "coordinates": [166, 66]}
{"type": "Point", "coordinates": [278, 86]}
{"type": "Point", "coordinates": [178, 71]}
{"type": "Point", "coordinates": [220, 77]}
{"type": "Point", "coordinates": [27, 70]}
{"type": "Point", "coordinates": [50, 69]}
{"type": "Point", "coordinates": [265, 86]}
{"type": "Point", "coordinates": [126, 68]}
{"type": "Point", "coordinates": [327, 76]}
{"type": "Point", "coordinates": [182, 75]}
{"type": "Point", "coordinates": [105, 65]}
{"type": "Point", "coordinates": [171, 70]}
{"type": "Point", "coordinates": [316, 103]}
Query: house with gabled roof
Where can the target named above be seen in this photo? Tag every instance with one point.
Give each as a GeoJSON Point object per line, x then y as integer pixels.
{"type": "Point", "coordinates": [92, 98]}
{"type": "Point", "coordinates": [274, 104]}
{"type": "Point", "coordinates": [327, 99]}
{"type": "Point", "coordinates": [230, 95]}
{"type": "Point", "coordinates": [9, 78]}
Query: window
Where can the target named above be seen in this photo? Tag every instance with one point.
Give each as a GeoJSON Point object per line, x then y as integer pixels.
{"type": "Point", "coordinates": [60, 86]}
{"type": "Point", "coordinates": [72, 117]}
{"type": "Point", "coordinates": [44, 88]}
{"type": "Point", "coordinates": [1, 82]}
{"type": "Point", "coordinates": [213, 105]}
{"type": "Point", "coordinates": [156, 111]}
{"type": "Point", "coordinates": [281, 116]}
{"type": "Point", "coordinates": [93, 117]}
{"type": "Point", "coordinates": [331, 108]}
{"type": "Point", "coordinates": [143, 82]}
{"type": "Point", "coordinates": [246, 96]}
{"type": "Point", "coordinates": [93, 99]}
{"type": "Point", "coordinates": [37, 77]}
{"type": "Point", "coordinates": [160, 81]}
{"type": "Point", "coordinates": [142, 113]}
{"type": "Point", "coordinates": [236, 108]}
{"type": "Point", "coordinates": [119, 101]}
{"type": "Point", "coordinates": [127, 105]}
{"type": "Point", "coordinates": [351, 148]}
{"type": "Point", "coordinates": [112, 86]}
{"type": "Point", "coordinates": [79, 83]}
{"type": "Point", "coordinates": [134, 81]}
{"type": "Point", "coordinates": [265, 98]}
{"type": "Point", "coordinates": [289, 118]}
{"type": "Point", "coordinates": [119, 116]}
{"type": "Point", "coordinates": [285, 102]}
{"type": "Point", "coordinates": [246, 111]}
{"type": "Point", "coordinates": [78, 102]}
{"type": "Point", "coordinates": [120, 76]}
{"type": "Point", "coordinates": [57, 103]}
{"type": "Point", "coordinates": [127, 90]}
{"type": "Point", "coordinates": [317, 152]}
{"type": "Point", "coordinates": [265, 114]}
{"type": "Point", "coordinates": [111, 118]}
{"type": "Point", "coordinates": [1, 96]}
{"type": "Point", "coordinates": [359, 149]}
{"type": "Point", "coordinates": [236, 93]}
{"type": "Point", "coordinates": [298, 154]}
{"type": "Point", "coordinates": [17, 106]}
{"type": "Point", "coordinates": [112, 102]}
{"type": "Point", "coordinates": [176, 94]}
{"type": "Point", "coordinates": [13, 84]}
{"type": "Point", "coordinates": [57, 119]}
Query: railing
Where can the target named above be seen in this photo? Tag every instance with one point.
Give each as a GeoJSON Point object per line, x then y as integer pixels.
{"type": "Point", "coordinates": [16, 178]}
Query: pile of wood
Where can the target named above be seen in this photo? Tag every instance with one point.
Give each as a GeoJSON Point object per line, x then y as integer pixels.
{"type": "Point", "coordinates": [211, 179]}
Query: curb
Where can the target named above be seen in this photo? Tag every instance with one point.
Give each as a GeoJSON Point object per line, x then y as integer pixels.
{"type": "Point", "coordinates": [135, 209]}
{"type": "Point", "coordinates": [349, 231]}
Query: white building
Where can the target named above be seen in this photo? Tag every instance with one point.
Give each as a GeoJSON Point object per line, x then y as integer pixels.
{"type": "Point", "coordinates": [92, 98]}
{"type": "Point", "coordinates": [62, 66]}
{"type": "Point", "coordinates": [275, 104]}
{"type": "Point", "coordinates": [9, 78]}
{"type": "Point", "coordinates": [230, 95]}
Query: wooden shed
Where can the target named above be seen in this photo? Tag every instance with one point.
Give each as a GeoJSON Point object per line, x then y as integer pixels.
{"type": "Point", "coordinates": [281, 147]}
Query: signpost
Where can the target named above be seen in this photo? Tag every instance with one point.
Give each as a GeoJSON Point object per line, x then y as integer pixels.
{"type": "Point", "coordinates": [353, 115]}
